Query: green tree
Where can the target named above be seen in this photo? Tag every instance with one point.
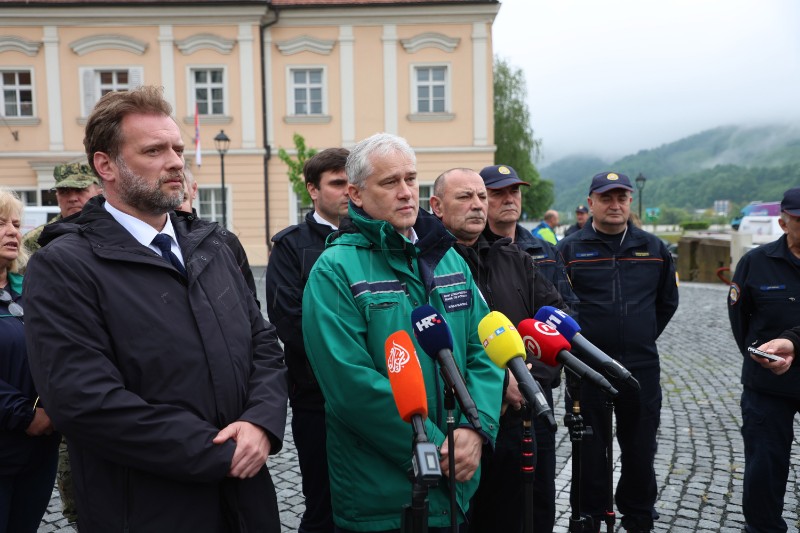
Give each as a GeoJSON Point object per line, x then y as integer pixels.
{"type": "Point", "coordinates": [296, 166]}
{"type": "Point", "coordinates": [513, 136]}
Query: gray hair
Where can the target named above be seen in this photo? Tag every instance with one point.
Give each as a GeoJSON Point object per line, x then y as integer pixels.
{"type": "Point", "coordinates": [358, 166]}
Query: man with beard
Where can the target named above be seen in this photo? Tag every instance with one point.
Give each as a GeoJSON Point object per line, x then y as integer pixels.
{"type": "Point", "coordinates": [147, 347]}
{"type": "Point", "coordinates": [512, 285]}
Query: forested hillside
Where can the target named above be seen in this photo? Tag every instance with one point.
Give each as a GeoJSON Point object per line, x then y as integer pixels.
{"type": "Point", "coordinates": [727, 163]}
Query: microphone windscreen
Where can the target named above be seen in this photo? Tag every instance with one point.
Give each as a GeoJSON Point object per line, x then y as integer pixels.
{"type": "Point", "coordinates": [500, 339]}
{"type": "Point", "coordinates": [560, 320]}
{"type": "Point", "coordinates": [542, 341]}
{"type": "Point", "coordinates": [431, 331]}
{"type": "Point", "coordinates": [405, 376]}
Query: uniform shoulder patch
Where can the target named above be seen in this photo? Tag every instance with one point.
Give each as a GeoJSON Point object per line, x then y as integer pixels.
{"type": "Point", "coordinates": [733, 294]}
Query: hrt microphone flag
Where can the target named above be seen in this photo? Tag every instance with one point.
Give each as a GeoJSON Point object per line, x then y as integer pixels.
{"type": "Point", "coordinates": [198, 158]}
{"type": "Point", "coordinates": [405, 376]}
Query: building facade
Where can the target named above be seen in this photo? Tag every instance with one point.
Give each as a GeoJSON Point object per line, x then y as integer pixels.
{"type": "Point", "coordinates": [333, 72]}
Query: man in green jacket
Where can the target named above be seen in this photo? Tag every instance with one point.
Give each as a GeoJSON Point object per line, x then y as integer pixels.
{"type": "Point", "coordinates": [392, 259]}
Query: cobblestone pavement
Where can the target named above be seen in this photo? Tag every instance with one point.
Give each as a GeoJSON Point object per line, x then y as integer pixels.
{"type": "Point", "coordinates": [700, 460]}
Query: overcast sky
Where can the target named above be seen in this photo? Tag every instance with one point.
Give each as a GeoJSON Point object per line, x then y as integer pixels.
{"type": "Point", "coordinates": [611, 77]}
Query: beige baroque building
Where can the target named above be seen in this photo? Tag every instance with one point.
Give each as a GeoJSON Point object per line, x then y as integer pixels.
{"type": "Point", "coordinates": [332, 71]}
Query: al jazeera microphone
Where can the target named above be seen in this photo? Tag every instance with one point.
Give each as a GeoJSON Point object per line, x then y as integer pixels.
{"type": "Point", "coordinates": [408, 389]}
{"type": "Point", "coordinates": [506, 349]}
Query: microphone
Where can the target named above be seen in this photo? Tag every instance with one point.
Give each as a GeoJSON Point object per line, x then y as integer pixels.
{"type": "Point", "coordinates": [506, 349]}
{"type": "Point", "coordinates": [592, 355]}
{"type": "Point", "coordinates": [408, 389]}
{"type": "Point", "coordinates": [435, 339]}
{"type": "Point", "coordinates": [547, 345]}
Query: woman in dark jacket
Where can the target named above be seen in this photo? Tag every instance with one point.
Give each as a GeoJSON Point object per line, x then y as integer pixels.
{"type": "Point", "coordinates": [28, 445]}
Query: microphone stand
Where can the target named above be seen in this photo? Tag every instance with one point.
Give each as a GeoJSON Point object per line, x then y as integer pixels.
{"type": "Point", "coordinates": [610, 517]}
{"type": "Point", "coordinates": [450, 405]}
{"type": "Point", "coordinates": [425, 473]}
{"type": "Point", "coordinates": [528, 465]}
{"type": "Point", "coordinates": [574, 422]}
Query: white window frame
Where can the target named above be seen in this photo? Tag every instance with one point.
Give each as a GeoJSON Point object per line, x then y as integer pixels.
{"type": "Point", "coordinates": [290, 87]}
{"type": "Point", "coordinates": [214, 190]}
{"type": "Point", "coordinates": [29, 193]}
{"type": "Point", "coordinates": [448, 102]}
{"type": "Point", "coordinates": [91, 88]}
{"type": "Point", "coordinates": [191, 93]}
{"type": "Point", "coordinates": [425, 198]}
{"type": "Point", "coordinates": [17, 88]}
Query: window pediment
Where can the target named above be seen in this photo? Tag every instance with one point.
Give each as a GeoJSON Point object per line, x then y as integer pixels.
{"type": "Point", "coordinates": [430, 40]}
{"type": "Point", "coordinates": [205, 41]}
{"type": "Point", "coordinates": [305, 43]}
{"type": "Point", "coordinates": [12, 43]}
{"type": "Point", "coordinates": [108, 42]}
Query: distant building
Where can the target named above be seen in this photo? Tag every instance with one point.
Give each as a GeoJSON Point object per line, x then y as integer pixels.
{"type": "Point", "coordinates": [334, 71]}
{"type": "Point", "coordinates": [722, 207]}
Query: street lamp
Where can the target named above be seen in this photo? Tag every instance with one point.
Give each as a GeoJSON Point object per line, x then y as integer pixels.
{"type": "Point", "coordinates": [640, 186]}
{"type": "Point", "coordinates": [222, 143]}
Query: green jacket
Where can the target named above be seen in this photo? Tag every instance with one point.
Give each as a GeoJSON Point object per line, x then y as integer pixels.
{"type": "Point", "coordinates": [361, 290]}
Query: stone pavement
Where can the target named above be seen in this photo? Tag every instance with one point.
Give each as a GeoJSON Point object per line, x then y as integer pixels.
{"type": "Point", "coordinates": [700, 460]}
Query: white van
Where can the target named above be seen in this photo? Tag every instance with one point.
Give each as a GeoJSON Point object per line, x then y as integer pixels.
{"type": "Point", "coordinates": [761, 225]}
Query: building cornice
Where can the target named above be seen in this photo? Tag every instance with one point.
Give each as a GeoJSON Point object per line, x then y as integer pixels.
{"type": "Point", "coordinates": [381, 15]}
{"type": "Point", "coordinates": [130, 15]}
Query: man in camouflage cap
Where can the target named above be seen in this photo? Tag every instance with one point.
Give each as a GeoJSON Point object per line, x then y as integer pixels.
{"type": "Point", "coordinates": [75, 184]}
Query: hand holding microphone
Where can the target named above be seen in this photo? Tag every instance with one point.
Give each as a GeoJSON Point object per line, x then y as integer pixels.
{"type": "Point", "coordinates": [547, 345]}
{"type": "Point", "coordinates": [592, 355]}
{"type": "Point", "coordinates": [506, 349]}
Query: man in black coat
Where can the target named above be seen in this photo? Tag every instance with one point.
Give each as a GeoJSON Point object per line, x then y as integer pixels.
{"type": "Point", "coordinates": [512, 284]}
{"type": "Point", "coordinates": [762, 304]}
{"type": "Point", "coordinates": [295, 252]}
{"type": "Point", "coordinates": [149, 350]}
{"type": "Point", "coordinates": [625, 280]}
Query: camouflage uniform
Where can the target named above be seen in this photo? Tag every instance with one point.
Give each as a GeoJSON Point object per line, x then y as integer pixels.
{"type": "Point", "coordinates": [68, 176]}
{"type": "Point", "coordinates": [30, 240]}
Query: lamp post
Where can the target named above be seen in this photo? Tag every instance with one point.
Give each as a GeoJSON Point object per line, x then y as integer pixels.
{"type": "Point", "coordinates": [222, 143]}
{"type": "Point", "coordinates": [640, 180]}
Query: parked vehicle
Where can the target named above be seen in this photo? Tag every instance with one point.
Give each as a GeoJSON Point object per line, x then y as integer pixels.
{"type": "Point", "coordinates": [772, 209]}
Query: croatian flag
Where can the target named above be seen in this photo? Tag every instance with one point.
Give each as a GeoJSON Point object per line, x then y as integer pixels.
{"type": "Point", "coordinates": [198, 158]}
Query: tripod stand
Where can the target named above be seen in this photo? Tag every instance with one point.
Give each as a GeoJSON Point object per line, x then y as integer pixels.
{"type": "Point", "coordinates": [425, 473]}
{"type": "Point", "coordinates": [574, 422]}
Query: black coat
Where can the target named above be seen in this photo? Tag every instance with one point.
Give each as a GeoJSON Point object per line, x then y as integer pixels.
{"type": "Point", "coordinates": [140, 368]}
{"type": "Point", "coordinates": [233, 242]}
{"type": "Point", "coordinates": [764, 300]}
{"type": "Point", "coordinates": [627, 296]}
{"type": "Point", "coordinates": [513, 285]}
{"type": "Point", "coordinates": [296, 250]}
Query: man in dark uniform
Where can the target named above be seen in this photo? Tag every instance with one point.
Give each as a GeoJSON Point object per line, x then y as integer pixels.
{"type": "Point", "coordinates": [511, 284]}
{"type": "Point", "coordinates": [625, 280]}
{"type": "Point", "coordinates": [295, 252]}
{"type": "Point", "coordinates": [763, 302]}
{"type": "Point", "coordinates": [505, 207]}
{"type": "Point", "coordinates": [581, 216]}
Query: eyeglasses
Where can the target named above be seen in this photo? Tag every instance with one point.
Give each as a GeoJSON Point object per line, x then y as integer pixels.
{"type": "Point", "coordinates": [13, 307]}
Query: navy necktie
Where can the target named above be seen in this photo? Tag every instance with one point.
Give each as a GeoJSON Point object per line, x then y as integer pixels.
{"type": "Point", "coordinates": [164, 243]}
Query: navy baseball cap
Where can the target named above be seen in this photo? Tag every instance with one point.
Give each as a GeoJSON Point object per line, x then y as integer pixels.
{"type": "Point", "coordinates": [791, 202]}
{"type": "Point", "coordinates": [605, 181]}
{"type": "Point", "coordinates": [499, 176]}
{"type": "Point", "coordinates": [581, 209]}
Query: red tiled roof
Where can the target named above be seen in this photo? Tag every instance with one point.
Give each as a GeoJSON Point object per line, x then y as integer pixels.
{"type": "Point", "coordinates": [321, 3]}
